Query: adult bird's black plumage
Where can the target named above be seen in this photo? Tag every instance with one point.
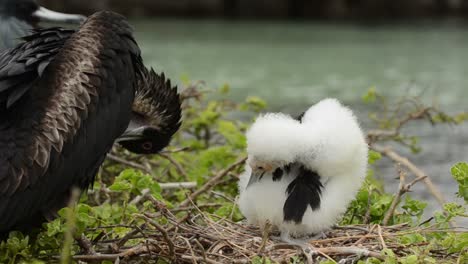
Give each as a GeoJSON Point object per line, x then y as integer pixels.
{"type": "Point", "coordinates": [65, 97]}
{"type": "Point", "coordinates": [18, 17]}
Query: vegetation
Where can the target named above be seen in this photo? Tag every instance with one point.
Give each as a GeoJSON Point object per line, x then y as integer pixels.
{"type": "Point", "coordinates": [132, 215]}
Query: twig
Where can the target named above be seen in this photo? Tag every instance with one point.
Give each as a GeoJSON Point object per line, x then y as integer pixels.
{"type": "Point", "coordinates": [177, 185]}
{"type": "Point", "coordinates": [360, 240]}
{"type": "Point", "coordinates": [402, 189]}
{"type": "Point", "coordinates": [388, 152]}
{"type": "Point", "coordinates": [188, 208]}
{"type": "Point", "coordinates": [381, 239]}
{"type": "Point", "coordinates": [165, 151]}
{"type": "Point", "coordinates": [202, 249]}
{"type": "Point", "coordinates": [207, 260]}
{"type": "Point", "coordinates": [130, 234]}
{"type": "Point", "coordinates": [86, 245]}
{"type": "Point", "coordinates": [191, 250]}
{"type": "Point", "coordinates": [163, 231]}
{"type": "Point", "coordinates": [164, 186]}
{"type": "Point", "coordinates": [374, 135]}
{"type": "Point", "coordinates": [333, 250]}
{"type": "Point", "coordinates": [176, 164]}
{"type": "Point", "coordinates": [129, 163]}
{"type": "Point", "coordinates": [140, 197]}
{"type": "Point", "coordinates": [97, 257]}
{"type": "Point", "coordinates": [136, 250]}
{"type": "Point", "coordinates": [351, 251]}
{"type": "Point", "coordinates": [212, 182]}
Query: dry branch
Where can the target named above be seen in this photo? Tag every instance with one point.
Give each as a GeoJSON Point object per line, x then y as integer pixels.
{"type": "Point", "coordinates": [180, 169]}
{"type": "Point", "coordinates": [212, 182]}
{"type": "Point", "coordinates": [378, 134]}
{"type": "Point", "coordinates": [402, 189]}
{"type": "Point", "coordinates": [388, 152]}
{"type": "Point", "coordinates": [129, 163]}
{"type": "Point", "coordinates": [178, 185]}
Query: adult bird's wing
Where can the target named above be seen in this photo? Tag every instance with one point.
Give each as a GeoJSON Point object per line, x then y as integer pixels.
{"type": "Point", "coordinates": [56, 133]}
{"type": "Point", "coordinates": [11, 28]}
{"type": "Point", "coordinates": [22, 66]}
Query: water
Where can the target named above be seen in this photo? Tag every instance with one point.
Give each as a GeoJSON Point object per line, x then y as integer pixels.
{"type": "Point", "coordinates": [293, 65]}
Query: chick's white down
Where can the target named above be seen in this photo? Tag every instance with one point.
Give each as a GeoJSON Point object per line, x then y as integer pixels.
{"type": "Point", "coordinates": [328, 141]}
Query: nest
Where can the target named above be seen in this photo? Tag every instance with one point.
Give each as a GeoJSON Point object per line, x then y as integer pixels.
{"type": "Point", "coordinates": [199, 237]}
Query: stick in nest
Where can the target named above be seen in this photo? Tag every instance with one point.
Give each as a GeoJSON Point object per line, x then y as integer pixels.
{"type": "Point", "coordinates": [212, 182]}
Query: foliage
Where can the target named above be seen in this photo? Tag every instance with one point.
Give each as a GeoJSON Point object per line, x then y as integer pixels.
{"type": "Point", "coordinates": [210, 140]}
{"type": "Point", "coordinates": [460, 173]}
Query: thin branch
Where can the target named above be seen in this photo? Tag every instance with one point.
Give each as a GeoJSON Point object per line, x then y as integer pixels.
{"type": "Point", "coordinates": [178, 185]}
{"type": "Point", "coordinates": [164, 186]}
{"type": "Point", "coordinates": [374, 135]}
{"type": "Point", "coordinates": [212, 182]}
{"type": "Point", "coordinates": [85, 245]}
{"type": "Point", "coordinates": [180, 169]}
{"type": "Point", "coordinates": [388, 152]}
{"type": "Point", "coordinates": [381, 239]}
{"type": "Point", "coordinates": [163, 231]}
{"type": "Point", "coordinates": [401, 190]}
{"type": "Point", "coordinates": [351, 251]}
{"type": "Point", "coordinates": [130, 235]}
{"type": "Point", "coordinates": [333, 250]}
{"type": "Point", "coordinates": [207, 260]}
{"type": "Point", "coordinates": [129, 163]}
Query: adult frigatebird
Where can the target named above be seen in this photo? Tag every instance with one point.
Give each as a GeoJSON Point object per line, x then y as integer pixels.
{"type": "Point", "coordinates": [65, 97]}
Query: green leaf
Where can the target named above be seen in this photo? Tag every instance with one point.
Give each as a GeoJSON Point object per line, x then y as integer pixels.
{"type": "Point", "coordinates": [120, 186]}
{"type": "Point", "coordinates": [232, 134]}
{"type": "Point", "coordinates": [254, 103]}
{"type": "Point", "coordinates": [370, 96]}
{"type": "Point", "coordinates": [460, 174]}
{"type": "Point", "coordinates": [411, 259]}
{"type": "Point", "coordinates": [374, 156]}
{"type": "Point", "coordinates": [224, 89]}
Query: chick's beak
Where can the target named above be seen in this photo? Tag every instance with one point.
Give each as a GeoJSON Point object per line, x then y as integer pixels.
{"type": "Point", "coordinates": [258, 172]}
{"type": "Point", "coordinates": [255, 177]}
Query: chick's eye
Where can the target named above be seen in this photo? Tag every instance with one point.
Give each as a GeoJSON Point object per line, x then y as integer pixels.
{"type": "Point", "coordinates": [147, 145]}
{"type": "Point", "coordinates": [260, 168]}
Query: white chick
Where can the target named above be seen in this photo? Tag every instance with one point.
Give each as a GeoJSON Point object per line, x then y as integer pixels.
{"type": "Point", "coordinates": [301, 175]}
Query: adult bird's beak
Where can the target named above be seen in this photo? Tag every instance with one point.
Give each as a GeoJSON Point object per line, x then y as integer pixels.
{"type": "Point", "coordinates": [131, 134]}
{"type": "Point", "coordinates": [255, 176]}
{"type": "Point", "coordinates": [46, 15]}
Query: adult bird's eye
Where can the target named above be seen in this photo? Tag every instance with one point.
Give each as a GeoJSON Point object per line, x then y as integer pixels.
{"type": "Point", "coordinates": [147, 145]}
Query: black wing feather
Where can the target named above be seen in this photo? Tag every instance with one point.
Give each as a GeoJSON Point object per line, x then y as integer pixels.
{"type": "Point", "coordinates": [303, 191]}
{"type": "Point", "coordinates": [24, 64]}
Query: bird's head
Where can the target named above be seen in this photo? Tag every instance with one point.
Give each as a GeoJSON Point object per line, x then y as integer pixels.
{"type": "Point", "coordinates": [262, 166]}
{"type": "Point", "coordinates": [30, 12]}
{"type": "Point", "coordinates": [156, 115]}
{"type": "Point", "coordinates": [273, 141]}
